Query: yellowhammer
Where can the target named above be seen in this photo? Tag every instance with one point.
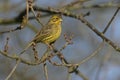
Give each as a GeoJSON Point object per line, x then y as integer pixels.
{"type": "Point", "coordinates": [48, 33]}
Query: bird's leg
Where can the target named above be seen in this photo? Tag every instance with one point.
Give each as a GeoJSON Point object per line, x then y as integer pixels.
{"type": "Point", "coordinates": [50, 46]}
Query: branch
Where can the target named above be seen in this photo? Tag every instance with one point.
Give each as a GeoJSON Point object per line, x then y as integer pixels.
{"type": "Point", "coordinates": [19, 18]}
{"type": "Point", "coordinates": [105, 5]}
{"type": "Point", "coordinates": [13, 70]}
{"type": "Point", "coordinates": [101, 45]}
{"type": "Point", "coordinates": [22, 60]}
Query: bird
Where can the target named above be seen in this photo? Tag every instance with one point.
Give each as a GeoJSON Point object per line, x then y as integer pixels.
{"type": "Point", "coordinates": [49, 33]}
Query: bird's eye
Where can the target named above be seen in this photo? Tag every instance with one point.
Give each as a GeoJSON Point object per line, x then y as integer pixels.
{"type": "Point", "coordinates": [55, 19]}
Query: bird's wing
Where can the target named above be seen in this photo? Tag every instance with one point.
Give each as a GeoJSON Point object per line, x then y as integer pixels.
{"type": "Point", "coordinates": [44, 31]}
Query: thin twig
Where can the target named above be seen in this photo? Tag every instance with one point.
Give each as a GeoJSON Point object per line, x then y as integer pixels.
{"type": "Point", "coordinates": [22, 25]}
{"type": "Point", "coordinates": [13, 70]}
{"type": "Point", "coordinates": [37, 18]}
{"type": "Point", "coordinates": [92, 55]}
{"type": "Point", "coordinates": [6, 45]}
{"type": "Point", "coordinates": [103, 5]}
{"type": "Point", "coordinates": [68, 76]}
{"type": "Point", "coordinates": [66, 65]}
{"type": "Point", "coordinates": [22, 60]}
{"type": "Point", "coordinates": [81, 75]}
{"type": "Point", "coordinates": [108, 25]}
{"type": "Point", "coordinates": [45, 70]}
{"type": "Point", "coordinates": [27, 10]}
{"type": "Point", "coordinates": [72, 4]}
{"type": "Point", "coordinates": [35, 53]}
{"type": "Point", "coordinates": [104, 31]}
{"type": "Point", "coordinates": [68, 42]}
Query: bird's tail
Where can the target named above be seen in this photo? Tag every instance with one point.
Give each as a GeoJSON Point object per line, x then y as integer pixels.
{"type": "Point", "coordinates": [31, 43]}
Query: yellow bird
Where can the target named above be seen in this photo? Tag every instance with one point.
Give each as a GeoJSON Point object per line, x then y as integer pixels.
{"type": "Point", "coordinates": [49, 33]}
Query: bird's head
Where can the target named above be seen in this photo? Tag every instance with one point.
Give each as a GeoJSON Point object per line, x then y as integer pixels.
{"type": "Point", "coordinates": [56, 19]}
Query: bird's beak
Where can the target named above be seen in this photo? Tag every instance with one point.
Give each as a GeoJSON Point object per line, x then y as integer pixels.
{"type": "Point", "coordinates": [61, 20]}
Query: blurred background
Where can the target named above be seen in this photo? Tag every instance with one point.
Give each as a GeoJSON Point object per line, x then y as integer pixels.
{"type": "Point", "coordinates": [103, 66]}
